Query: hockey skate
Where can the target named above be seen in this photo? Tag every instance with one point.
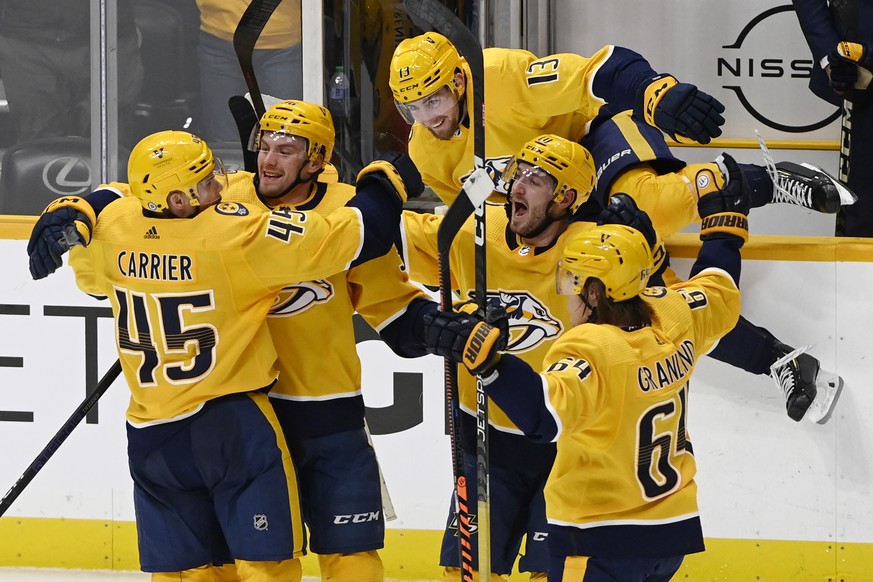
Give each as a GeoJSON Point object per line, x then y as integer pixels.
{"type": "Point", "coordinates": [811, 187]}
{"type": "Point", "coordinates": [809, 391]}
{"type": "Point", "coordinates": [805, 185]}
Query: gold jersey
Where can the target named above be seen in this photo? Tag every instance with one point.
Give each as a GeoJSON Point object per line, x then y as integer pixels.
{"type": "Point", "coordinates": [520, 277]}
{"type": "Point", "coordinates": [311, 321]}
{"type": "Point", "coordinates": [620, 398]}
{"type": "Point", "coordinates": [525, 96]}
{"type": "Point", "coordinates": [191, 296]}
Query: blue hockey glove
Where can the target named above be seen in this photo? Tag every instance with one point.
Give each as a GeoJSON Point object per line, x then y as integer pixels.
{"type": "Point", "coordinates": [849, 62]}
{"type": "Point", "coordinates": [622, 209]}
{"type": "Point", "coordinates": [62, 225]}
{"type": "Point", "coordinates": [681, 110]}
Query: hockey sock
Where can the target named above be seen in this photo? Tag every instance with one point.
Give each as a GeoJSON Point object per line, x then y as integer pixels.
{"type": "Point", "coordinates": [760, 184]}
{"type": "Point", "coordinates": [747, 347]}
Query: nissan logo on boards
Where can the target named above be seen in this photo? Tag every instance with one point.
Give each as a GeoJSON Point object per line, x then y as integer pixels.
{"type": "Point", "coordinates": [771, 79]}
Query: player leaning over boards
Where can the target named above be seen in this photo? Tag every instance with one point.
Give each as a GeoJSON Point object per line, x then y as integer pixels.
{"type": "Point", "coordinates": [191, 280]}
{"type": "Point", "coordinates": [561, 94]}
{"type": "Point", "coordinates": [613, 393]}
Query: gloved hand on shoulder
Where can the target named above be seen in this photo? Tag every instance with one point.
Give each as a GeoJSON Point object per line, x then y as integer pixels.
{"type": "Point", "coordinates": [65, 222]}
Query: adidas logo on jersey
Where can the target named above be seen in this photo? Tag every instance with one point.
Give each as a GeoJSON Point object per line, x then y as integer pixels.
{"type": "Point", "coordinates": [152, 233]}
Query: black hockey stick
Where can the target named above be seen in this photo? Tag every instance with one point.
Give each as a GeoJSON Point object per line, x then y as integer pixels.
{"type": "Point", "coordinates": [246, 119]}
{"type": "Point", "coordinates": [470, 200]}
{"type": "Point", "coordinates": [848, 13]}
{"type": "Point", "coordinates": [252, 22]}
{"type": "Point", "coordinates": [60, 436]}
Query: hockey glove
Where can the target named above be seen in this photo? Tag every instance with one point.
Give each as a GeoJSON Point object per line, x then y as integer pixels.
{"type": "Point", "coordinates": [851, 64]}
{"type": "Point", "coordinates": [65, 222]}
{"type": "Point", "coordinates": [622, 209]}
{"type": "Point", "coordinates": [464, 338]}
{"type": "Point", "coordinates": [681, 110]}
{"type": "Point", "coordinates": [724, 212]}
{"type": "Point", "coordinates": [395, 172]}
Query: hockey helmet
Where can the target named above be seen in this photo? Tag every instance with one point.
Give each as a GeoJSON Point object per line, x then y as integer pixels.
{"type": "Point", "coordinates": [566, 161]}
{"type": "Point", "coordinates": [169, 161]}
{"type": "Point", "coordinates": [616, 254]}
{"type": "Point", "coordinates": [420, 67]}
{"type": "Point", "coordinates": [312, 122]}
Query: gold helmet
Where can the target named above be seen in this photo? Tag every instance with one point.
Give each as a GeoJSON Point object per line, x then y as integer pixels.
{"type": "Point", "coordinates": [420, 67]}
{"type": "Point", "coordinates": [307, 120]}
{"type": "Point", "coordinates": [168, 161]}
{"type": "Point", "coordinates": [568, 162]}
{"type": "Point", "coordinates": [616, 254]}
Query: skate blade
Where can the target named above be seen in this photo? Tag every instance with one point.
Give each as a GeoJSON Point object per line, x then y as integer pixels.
{"type": "Point", "coordinates": [847, 197]}
{"type": "Point", "coordinates": [829, 386]}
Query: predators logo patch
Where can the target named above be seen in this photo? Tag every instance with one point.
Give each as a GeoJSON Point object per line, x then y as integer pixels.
{"type": "Point", "coordinates": [232, 209]}
{"type": "Point", "coordinates": [530, 321]}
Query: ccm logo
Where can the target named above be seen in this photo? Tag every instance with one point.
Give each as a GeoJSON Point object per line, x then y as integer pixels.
{"type": "Point", "coordinates": [356, 518]}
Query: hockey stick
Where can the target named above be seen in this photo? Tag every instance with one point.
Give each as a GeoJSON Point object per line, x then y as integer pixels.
{"type": "Point", "coordinates": [252, 22]}
{"type": "Point", "coordinates": [246, 120]}
{"type": "Point", "coordinates": [60, 436]}
{"type": "Point", "coordinates": [447, 24]}
{"type": "Point", "coordinates": [848, 13]}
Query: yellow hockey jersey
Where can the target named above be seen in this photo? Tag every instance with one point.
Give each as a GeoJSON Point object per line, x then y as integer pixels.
{"type": "Point", "coordinates": [622, 484]}
{"type": "Point", "coordinates": [525, 96]}
{"type": "Point", "coordinates": [311, 325]}
{"type": "Point", "coordinates": [190, 296]}
{"type": "Point", "coordinates": [520, 277]}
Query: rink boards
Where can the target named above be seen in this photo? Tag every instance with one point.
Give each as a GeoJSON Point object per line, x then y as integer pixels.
{"type": "Point", "coordinates": [779, 500]}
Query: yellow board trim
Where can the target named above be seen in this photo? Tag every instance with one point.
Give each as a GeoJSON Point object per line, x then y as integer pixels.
{"type": "Point", "coordinates": [724, 143]}
{"type": "Point", "coordinates": [16, 227]}
{"type": "Point", "coordinates": [762, 247]}
{"type": "Point", "coordinates": [80, 544]}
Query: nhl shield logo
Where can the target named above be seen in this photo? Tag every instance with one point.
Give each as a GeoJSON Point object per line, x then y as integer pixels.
{"type": "Point", "coordinates": [259, 520]}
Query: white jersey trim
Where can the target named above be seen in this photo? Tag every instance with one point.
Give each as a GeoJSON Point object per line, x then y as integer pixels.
{"type": "Point", "coordinates": [166, 420]}
{"type": "Point", "coordinates": [316, 398]}
{"type": "Point", "coordinates": [559, 426]}
{"type": "Point", "coordinates": [505, 429]}
{"type": "Point", "coordinates": [360, 237]}
{"type": "Point", "coordinates": [611, 522]}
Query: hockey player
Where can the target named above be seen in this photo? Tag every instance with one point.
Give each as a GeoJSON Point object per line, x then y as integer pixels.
{"type": "Point", "coordinates": [191, 280]}
{"type": "Point", "coordinates": [621, 500]}
{"type": "Point", "coordinates": [563, 94]}
{"type": "Point", "coordinates": [550, 179]}
{"type": "Point", "coordinates": [318, 395]}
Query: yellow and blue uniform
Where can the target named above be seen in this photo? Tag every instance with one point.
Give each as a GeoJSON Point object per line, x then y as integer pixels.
{"type": "Point", "coordinates": [318, 394]}
{"type": "Point", "coordinates": [521, 279]}
{"type": "Point", "coordinates": [615, 402]}
{"type": "Point", "coordinates": [190, 298]}
{"type": "Point", "coordinates": [559, 94]}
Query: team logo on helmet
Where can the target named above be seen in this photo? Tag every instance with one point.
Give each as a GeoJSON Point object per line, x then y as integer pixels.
{"type": "Point", "coordinates": [300, 297]}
